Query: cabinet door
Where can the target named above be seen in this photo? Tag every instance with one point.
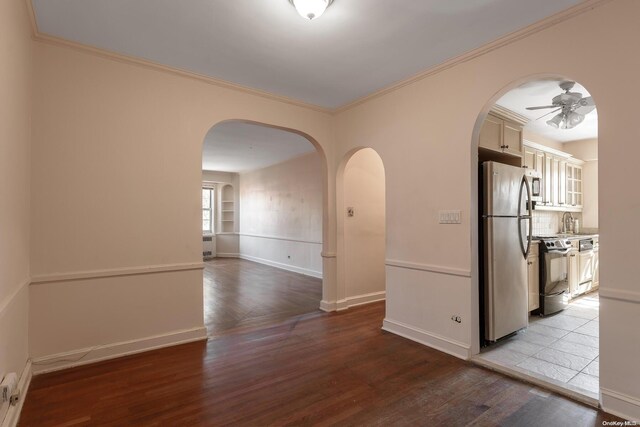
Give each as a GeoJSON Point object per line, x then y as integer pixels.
{"type": "Point", "coordinates": [546, 197]}
{"type": "Point", "coordinates": [573, 273]}
{"type": "Point", "coordinates": [529, 160]}
{"type": "Point", "coordinates": [596, 268]}
{"type": "Point", "coordinates": [555, 181]}
{"type": "Point", "coordinates": [585, 263]}
{"type": "Point", "coordinates": [491, 133]}
{"type": "Point", "coordinates": [540, 164]}
{"type": "Point", "coordinates": [512, 138]}
{"type": "Point", "coordinates": [562, 182]}
{"type": "Point", "coordinates": [533, 279]}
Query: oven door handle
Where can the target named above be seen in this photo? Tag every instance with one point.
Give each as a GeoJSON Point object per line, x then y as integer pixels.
{"type": "Point", "coordinates": [556, 294]}
{"type": "Point", "coordinates": [563, 252]}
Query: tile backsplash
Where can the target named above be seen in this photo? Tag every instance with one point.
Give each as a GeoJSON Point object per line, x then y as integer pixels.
{"type": "Point", "coordinates": [547, 223]}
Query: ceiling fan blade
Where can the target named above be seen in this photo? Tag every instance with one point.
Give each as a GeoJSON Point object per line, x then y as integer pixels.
{"type": "Point", "coordinates": [541, 108]}
{"type": "Point", "coordinates": [550, 112]}
{"type": "Point", "coordinates": [585, 106]}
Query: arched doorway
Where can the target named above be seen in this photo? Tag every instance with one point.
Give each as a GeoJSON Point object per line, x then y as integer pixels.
{"type": "Point", "coordinates": [265, 211]}
{"type": "Point", "coordinates": [552, 125]}
{"type": "Point", "coordinates": [361, 228]}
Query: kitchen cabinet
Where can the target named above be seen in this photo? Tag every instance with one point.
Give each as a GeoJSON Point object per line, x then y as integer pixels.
{"type": "Point", "coordinates": [574, 185]}
{"type": "Point", "coordinates": [501, 135]}
{"type": "Point", "coordinates": [573, 272]}
{"type": "Point", "coordinates": [596, 264]}
{"type": "Point", "coordinates": [533, 277]}
{"type": "Point", "coordinates": [561, 177]}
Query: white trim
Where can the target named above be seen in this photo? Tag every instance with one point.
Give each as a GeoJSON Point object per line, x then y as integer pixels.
{"type": "Point", "coordinates": [365, 299]}
{"type": "Point", "coordinates": [262, 236]}
{"type": "Point", "coordinates": [452, 271]}
{"type": "Point", "coordinates": [505, 113]}
{"type": "Point", "coordinates": [9, 300]}
{"type": "Point", "coordinates": [12, 416]}
{"type": "Point", "coordinates": [447, 345]}
{"type": "Point", "coordinates": [115, 272]}
{"type": "Point", "coordinates": [305, 271]}
{"type": "Point", "coordinates": [354, 301]}
{"type": "Point", "coordinates": [328, 306]}
{"type": "Point", "coordinates": [620, 295]}
{"type": "Point", "coordinates": [227, 255]}
{"type": "Point", "coordinates": [620, 404]}
{"type": "Point", "coordinates": [85, 356]}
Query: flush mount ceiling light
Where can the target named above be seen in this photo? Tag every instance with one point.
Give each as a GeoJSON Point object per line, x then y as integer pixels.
{"type": "Point", "coordinates": [311, 9]}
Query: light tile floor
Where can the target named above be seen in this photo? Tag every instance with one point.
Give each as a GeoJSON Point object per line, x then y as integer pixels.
{"type": "Point", "coordinates": [563, 347]}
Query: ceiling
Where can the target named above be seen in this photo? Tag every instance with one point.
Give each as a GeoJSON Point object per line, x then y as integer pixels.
{"type": "Point", "coordinates": [357, 47]}
{"type": "Point", "coordinates": [242, 147]}
{"type": "Point", "coordinates": [539, 93]}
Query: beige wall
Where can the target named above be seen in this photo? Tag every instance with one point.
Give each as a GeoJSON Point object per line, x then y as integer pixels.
{"type": "Point", "coordinates": [15, 153]}
{"type": "Point", "coordinates": [539, 139]}
{"type": "Point", "coordinates": [364, 233]}
{"type": "Point", "coordinates": [116, 173]}
{"type": "Point", "coordinates": [281, 215]}
{"type": "Point", "coordinates": [425, 131]}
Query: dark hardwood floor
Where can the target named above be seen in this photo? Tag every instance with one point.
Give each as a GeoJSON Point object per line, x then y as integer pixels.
{"type": "Point", "coordinates": [263, 367]}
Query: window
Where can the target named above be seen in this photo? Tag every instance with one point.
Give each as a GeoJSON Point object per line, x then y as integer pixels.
{"type": "Point", "coordinates": [207, 210]}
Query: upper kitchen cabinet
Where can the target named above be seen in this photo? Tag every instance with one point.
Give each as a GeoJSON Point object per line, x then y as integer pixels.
{"type": "Point", "coordinates": [574, 185]}
{"type": "Point", "coordinates": [502, 132]}
{"type": "Point", "coordinates": [561, 177]}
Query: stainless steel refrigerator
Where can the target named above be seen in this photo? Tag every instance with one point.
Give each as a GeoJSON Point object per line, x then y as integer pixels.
{"type": "Point", "coordinates": [506, 228]}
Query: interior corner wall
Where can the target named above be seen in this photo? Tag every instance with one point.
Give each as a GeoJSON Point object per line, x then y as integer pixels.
{"type": "Point", "coordinates": [15, 189]}
{"type": "Point", "coordinates": [116, 253]}
{"type": "Point", "coordinates": [424, 130]}
{"type": "Point", "coordinates": [281, 215]}
{"type": "Point", "coordinates": [364, 232]}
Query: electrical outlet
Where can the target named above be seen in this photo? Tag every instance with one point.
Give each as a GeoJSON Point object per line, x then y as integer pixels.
{"type": "Point", "coordinates": [8, 386]}
{"type": "Point", "coordinates": [350, 212]}
{"type": "Point", "coordinates": [456, 318]}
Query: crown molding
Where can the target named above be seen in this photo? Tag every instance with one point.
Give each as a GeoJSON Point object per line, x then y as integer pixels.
{"type": "Point", "coordinates": [482, 50]}
{"type": "Point", "coordinates": [508, 114]}
{"type": "Point", "coordinates": [508, 39]}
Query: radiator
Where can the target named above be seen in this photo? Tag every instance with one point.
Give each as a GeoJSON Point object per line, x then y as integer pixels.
{"type": "Point", "coordinates": [208, 247]}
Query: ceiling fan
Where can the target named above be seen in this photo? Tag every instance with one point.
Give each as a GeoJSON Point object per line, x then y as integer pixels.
{"type": "Point", "coordinates": [572, 107]}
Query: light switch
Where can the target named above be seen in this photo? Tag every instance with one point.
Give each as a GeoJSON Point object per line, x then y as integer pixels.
{"type": "Point", "coordinates": [450, 217]}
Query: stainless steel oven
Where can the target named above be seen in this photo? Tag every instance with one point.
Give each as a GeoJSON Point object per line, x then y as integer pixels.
{"type": "Point", "coordinates": [554, 278]}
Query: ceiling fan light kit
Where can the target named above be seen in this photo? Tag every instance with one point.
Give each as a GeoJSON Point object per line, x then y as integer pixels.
{"type": "Point", "coordinates": [574, 107]}
{"type": "Point", "coordinates": [311, 9]}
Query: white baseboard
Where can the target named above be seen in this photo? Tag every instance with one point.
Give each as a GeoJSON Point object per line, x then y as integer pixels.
{"type": "Point", "coordinates": [354, 301]}
{"type": "Point", "coordinates": [305, 271]}
{"type": "Point", "coordinates": [227, 255]}
{"type": "Point", "coordinates": [449, 346]}
{"type": "Point", "coordinates": [56, 362]}
{"type": "Point", "coordinates": [13, 414]}
{"type": "Point", "coordinates": [620, 404]}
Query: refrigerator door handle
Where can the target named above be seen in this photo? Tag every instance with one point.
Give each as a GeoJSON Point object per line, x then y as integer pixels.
{"type": "Point", "coordinates": [525, 251]}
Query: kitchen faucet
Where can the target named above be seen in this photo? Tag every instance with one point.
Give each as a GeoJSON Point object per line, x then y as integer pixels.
{"type": "Point", "coordinates": [566, 229]}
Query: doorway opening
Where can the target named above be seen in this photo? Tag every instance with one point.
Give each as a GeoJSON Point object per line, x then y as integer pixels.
{"type": "Point", "coordinates": [361, 229]}
{"type": "Point", "coordinates": [262, 225]}
{"type": "Point", "coordinates": [537, 237]}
